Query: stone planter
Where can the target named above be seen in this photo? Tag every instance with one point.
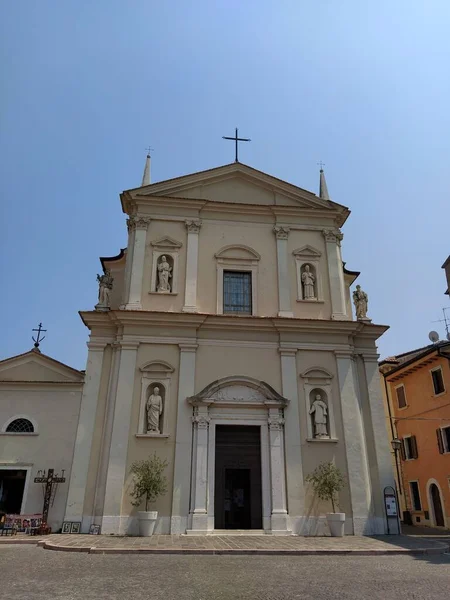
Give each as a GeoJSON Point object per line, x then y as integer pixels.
{"type": "Point", "coordinates": [336, 523]}
{"type": "Point", "coordinates": [147, 522]}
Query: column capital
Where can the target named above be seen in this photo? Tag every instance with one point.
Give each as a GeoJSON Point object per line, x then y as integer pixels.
{"type": "Point", "coordinates": [96, 346]}
{"type": "Point", "coordinates": [344, 354]}
{"type": "Point", "coordinates": [333, 235]}
{"type": "Point", "coordinates": [137, 223]}
{"type": "Point", "coordinates": [128, 345]}
{"type": "Point", "coordinates": [280, 232]}
{"type": "Point", "coordinates": [275, 424]}
{"type": "Point", "coordinates": [202, 421]}
{"type": "Point", "coordinates": [369, 357]}
{"type": "Point", "coordinates": [287, 351]}
{"type": "Point", "coordinates": [186, 347]}
{"type": "Point", "coordinates": [193, 226]}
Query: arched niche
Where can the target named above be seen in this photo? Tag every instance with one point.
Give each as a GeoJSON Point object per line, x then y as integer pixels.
{"type": "Point", "coordinates": [168, 248]}
{"type": "Point", "coordinates": [156, 389]}
{"type": "Point", "coordinates": [318, 381]}
{"type": "Point", "coordinates": [156, 373]}
{"type": "Point", "coordinates": [308, 256]}
{"type": "Point", "coordinates": [319, 413]}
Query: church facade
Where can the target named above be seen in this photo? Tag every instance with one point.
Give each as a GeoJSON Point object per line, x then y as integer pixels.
{"type": "Point", "coordinates": [224, 342]}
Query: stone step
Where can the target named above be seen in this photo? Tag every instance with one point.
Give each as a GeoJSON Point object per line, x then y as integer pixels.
{"type": "Point", "coordinates": [239, 532]}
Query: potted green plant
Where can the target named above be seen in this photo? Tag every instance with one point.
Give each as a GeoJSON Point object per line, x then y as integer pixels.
{"type": "Point", "coordinates": [327, 480]}
{"type": "Point", "coordinates": [149, 482]}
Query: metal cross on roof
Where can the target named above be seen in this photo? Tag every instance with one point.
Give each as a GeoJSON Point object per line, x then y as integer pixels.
{"type": "Point", "coordinates": [321, 165]}
{"type": "Point", "coordinates": [149, 149]}
{"type": "Point", "coordinates": [38, 339]}
{"type": "Point", "coordinates": [236, 139]}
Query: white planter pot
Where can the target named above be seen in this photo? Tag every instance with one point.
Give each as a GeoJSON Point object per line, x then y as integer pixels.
{"type": "Point", "coordinates": [147, 522]}
{"type": "Point", "coordinates": [336, 523]}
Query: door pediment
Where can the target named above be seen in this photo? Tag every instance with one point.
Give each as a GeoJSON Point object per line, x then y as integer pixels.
{"type": "Point", "coordinates": [238, 391]}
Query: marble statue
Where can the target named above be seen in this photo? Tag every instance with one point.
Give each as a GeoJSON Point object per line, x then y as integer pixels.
{"type": "Point", "coordinates": [154, 410]}
{"type": "Point", "coordinates": [319, 410]}
{"type": "Point", "coordinates": [105, 283]}
{"type": "Point", "coordinates": [308, 281]}
{"type": "Point", "coordinates": [164, 274]}
{"type": "Point", "coordinates": [360, 300]}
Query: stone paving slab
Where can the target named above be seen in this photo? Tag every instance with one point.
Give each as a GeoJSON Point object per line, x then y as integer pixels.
{"type": "Point", "coordinates": [235, 545]}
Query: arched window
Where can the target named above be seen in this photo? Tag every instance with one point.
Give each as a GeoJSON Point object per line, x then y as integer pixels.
{"type": "Point", "coordinates": [20, 426]}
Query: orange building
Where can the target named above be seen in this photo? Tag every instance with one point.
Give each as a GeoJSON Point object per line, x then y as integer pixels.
{"type": "Point", "coordinates": [417, 387]}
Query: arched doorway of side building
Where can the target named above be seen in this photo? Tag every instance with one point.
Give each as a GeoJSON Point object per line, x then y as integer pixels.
{"type": "Point", "coordinates": [436, 504]}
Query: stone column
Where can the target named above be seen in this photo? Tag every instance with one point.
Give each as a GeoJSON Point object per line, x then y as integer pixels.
{"type": "Point", "coordinates": [294, 470]}
{"type": "Point", "coordinates": [140, 226]}
{"type": "Point", "coordinates": [199, 502]}
{"type": "Point", "coordinates": [190, 294]}
{"type": "Point", "coordinates": [183, 440]}
{"type": "Point", "coordinates": [284, 290]}
{"type": "Point", "coordinates": [113, 521]}
{"type": "Point", "coordinates": [381, 450]}
{"type": "Point", "coordinates": [100, 483]}
{"type": "Point", "coordinates": [85, 432]}
{"type": "Point", "coordinates": [279, 515]}
{"type": "Point", "coordinates": [355, 444]}
{"type": "Point", "coordinates": [335, 273]}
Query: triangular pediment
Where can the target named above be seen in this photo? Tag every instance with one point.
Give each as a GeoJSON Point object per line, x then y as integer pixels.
{"type": "Point", "coordinates": [166, 243]}
{"type": "Point", "coordinates": [237, 183]}
{"type": "Point", "coordinates": [35, 366]}
{"type": "Point", "coordinates": [306, 252]}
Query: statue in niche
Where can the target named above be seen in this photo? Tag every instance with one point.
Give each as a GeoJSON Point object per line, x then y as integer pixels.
{"type": "Point", "coordinates": [308, 282]}
{"type": "Point", "coordinates": [361, 301]}
{"type": "Point", "coordinates": [164, 274]}
{"type": "Point", "coordinates": [105, 284]}
{"type": "Point", "coordinates": [319, 410]}
{"type": "Point", "coordinates": [154, 409]}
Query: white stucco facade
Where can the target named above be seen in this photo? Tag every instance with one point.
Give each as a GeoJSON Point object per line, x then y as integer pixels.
{"type": "Point", "coordinates": [47, 394]}
{"type": "Point", "coordinates": [259, 368]}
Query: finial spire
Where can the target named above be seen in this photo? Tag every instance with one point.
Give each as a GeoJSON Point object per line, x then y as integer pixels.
{"type": "Point", "coordinates": [146, 176]}
{"type": "Point", "coordinates": [323, 190]}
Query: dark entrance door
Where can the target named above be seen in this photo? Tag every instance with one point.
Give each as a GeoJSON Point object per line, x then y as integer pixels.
{"type": "Point", "coordinates": [437, 505]}
{"type": "Point", "coordinates": [12, 484]}
{"type": "Point", "coordinates": [238, 490]}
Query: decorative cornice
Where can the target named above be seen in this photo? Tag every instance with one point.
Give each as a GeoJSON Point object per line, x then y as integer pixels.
{"type": "Point", "coordinates": [281, 232]}
{"type": "Point", "coordinates": [193, 226]}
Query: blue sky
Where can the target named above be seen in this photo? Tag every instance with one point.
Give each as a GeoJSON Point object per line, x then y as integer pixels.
{"type": "Point", "coordinates": [363, 86]}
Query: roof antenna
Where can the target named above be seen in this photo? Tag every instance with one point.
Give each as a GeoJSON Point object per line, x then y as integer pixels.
{"type": "Point", "coordinates": [446, 321]}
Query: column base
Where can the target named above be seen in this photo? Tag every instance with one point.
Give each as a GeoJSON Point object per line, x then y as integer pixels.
{"type": "Point", "coordinates": [133, 306]}
{"type": "Point", "coordinates": [280, 524]}
{"type": "Point", "coordinates": [189, 309]}
{"type": "Point", "coordinates": [339, 317]}
{"type": "Point", "coordinates": [285, 313]}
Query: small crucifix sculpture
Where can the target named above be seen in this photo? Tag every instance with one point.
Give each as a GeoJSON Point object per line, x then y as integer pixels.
{"type": "Point", "coordinates": [49, 479]}
{"type": "Point", "coordinates": [236, 139]}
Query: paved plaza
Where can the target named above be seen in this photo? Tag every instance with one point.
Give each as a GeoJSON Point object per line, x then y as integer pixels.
{"type": "Point", "coordinates": [30, 573]}
{"type": "Point", "coordinates": [236, 544]}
